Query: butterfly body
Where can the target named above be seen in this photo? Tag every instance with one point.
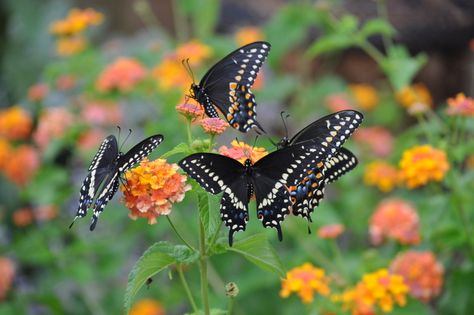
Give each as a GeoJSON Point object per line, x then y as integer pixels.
{"type": "Point", "coordinates": [265, 179]}
{"type": "Point", "coordinates": [103, 179]}
{"type": "Point", "coordinates": [226, 86]}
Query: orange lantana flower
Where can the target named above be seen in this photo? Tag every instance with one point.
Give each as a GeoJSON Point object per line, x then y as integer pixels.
{"type": "Point", "coordinates": [122, 75]}
{"type": "Point", "coordinates": [241, 151]}
{"type": "Point", "coordinates": [248, 34]}
{"type": "Point", "coordinates": [214, 126]}
{"type": "Point", "coordinates": [460, 105]}
{"type": "Point", "coordinates": [147, 307]}
{"type": "Point", "coordinates": [15, 123]}
{"type": "Point", "coordinates": [24, 166]}
{"type": "Point", "coordinates": [53, 123]}
{"type": "Point", "coordinates": [365, 96]}
{"type": "Point", "coordinates": [196, 51]}
{"type": "Point", "coordinates": [152, 188]}
{"type": "Point", "coordinates": [331, 230]}
{"type": "Point", "coordinates": [382, 175]}
{"type": "Point", "coordinates": [416, 98]}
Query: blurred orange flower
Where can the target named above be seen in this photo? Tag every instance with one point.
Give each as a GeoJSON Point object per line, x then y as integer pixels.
{"type": "Point", "coordinates": [193, 50]}
{"type": "Point", "coordinates": [338, 102]}
{"type": "Point", "coordinates": [422, 164]}
{"type": "Point", "coordinates": [147, 307]}
{"type": "Point", "coordinates": [214, 126]}
{"type": "Point", "coordinates": [331, 231]}
{"type": "Point", "coordinates": [45, 213]}
{"type": "Point", "coordinates": [394, 219]}
{"type": "Point", "coordinates": [248, 34]}
{"type": "Point", "coordinates": [241, 151]}
{"type": "Point", "coordinates": [90, 139]}
{"type": "Point", "coordinates": [24, 166]}
{"type": "Point", "coordinates": [365, 96]}
{"type": "Point", "coordinates": [101, 113]}
{"type": "Point", "coordinates": [379, 288]}
{"type": "Point", "coordinates": [70, 46]}
{"type": "Point", "coordinates": [122, 75]}
{"type": "Point", "coordinates": [415, 98]}
{"type": "Point", "coordinates": [378, 139]}
{"type": "Point", "coordinates": [7, 274]}
{"type": "Point", "coordinates": [53, 123]}
{"type": "Point", "coordinates": [23, 217]}
{"type": "Point", "coordinates": [38, 92]}
{"type": "Point", "coordinates": [66, 82]}
{"type": "Point", "coordinates": [306, 280]}
{"type": "Point", "coordinates": [421, 272]}
{"type": "Point", "coordinates": [76, 22]}
{"type": "Point", "coordinates": [190, 109]}
{"type": "Point", "coordinates": [460, 105]}
{"type": "Point", "coordinates": [15, 123]}
{"type": "Point", "coordinates": [152, 188]}
{"type": "Point", "coordinates": [170, 73]}
{"type": "Point", "coordinates": [382, 175]}
{"type": "Point", "coordinates": [5, 152]}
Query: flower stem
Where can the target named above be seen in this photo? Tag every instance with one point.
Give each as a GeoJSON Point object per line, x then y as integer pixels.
{"type": "Point", "coordinates": [186, 288]}
{"type": "Point", "coordinates": [179, 235]}
{"type": "Point", "coordinates": [203, 268]}
{"type": "Point", "coordinates": [231, 306]}
{"type": "Point", "coordinates": [188, 131]}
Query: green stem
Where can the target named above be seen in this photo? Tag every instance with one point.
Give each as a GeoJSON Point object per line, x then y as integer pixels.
{"type": "Point", "coordinates": [214, 237]}
{"type": "Point", "coordinates": [186, 288]}
{"type": "Point", "coordinates": [211, 142]}
{"type": "Point", "coordinates": [231, 306]}
{"type": "Point", "coordinates": [203, 268]}
{"type": "Point", "coordinates": [179, 235]}
{"type": "Point", "coordinates": [188, 131]}
{"type": "Point", "coordinates": [372, 52]}
{"type": "Point", "coordinates": [382, 13]}
{"type": "Point", "coordinates": [338, 257]}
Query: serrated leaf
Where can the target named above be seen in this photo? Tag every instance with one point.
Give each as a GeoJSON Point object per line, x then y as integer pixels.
{"type": "Point", "coordinates": [376, 26]}
{"type": "Point", "coordinates": [258, 250]}
{"type": "Point", "coordinates": [155, 259]}
{"type": "Point", "coordinates": [180, 148]}
{"type": "Point", "coordinates": [400, 67]}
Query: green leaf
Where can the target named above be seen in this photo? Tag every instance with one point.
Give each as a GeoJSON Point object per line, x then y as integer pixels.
{"type": "Point", "coordinates": [347, 24]}
{"type": "Point", "coordinates": [179, 149]}
{"type": "Point", "coordinates": [156, 258]}
{"type": "Point", "coordinates": [203, 205]}
{"type": "Point", "coordinates": [376, 26]}
{"type": "Point", "coordinates": [258, 250]}
{"type": "Point", "coordinates": [457, 298]}
{"type": "Point", "coordinates": [400, 67]}
{"type": "Point", "coordinates": [331, 43]}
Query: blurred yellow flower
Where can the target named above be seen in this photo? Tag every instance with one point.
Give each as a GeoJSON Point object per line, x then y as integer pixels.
{"type": "Point", "coordinates": [365, 96]}
{"type": "Point", "coordinates": [460, 105]}
{"type": "Point", "coordinates": [15, 123]}
{"type": "Point", "coordinates": [170, 73]}
{"type": "Point", "coordinates": [122, 75]}
{"type": "Point", "coordinates": [415, 98]}
{"type": "Point", "coordinates": [422, 164]}
{"type": "Point", "coordinates": [147, 307]}
{"type": "Point", "coordinates": [248, 34]}
{"type": "Point", "coordinates": [395, 219]}
{"type": "Point", "coordinates": [379, 288]}
{"type": "Point", "coordinates": [241, 151]}
{"type": "Point", "coordinates": [76, 22]}
{"type": "Point", "coordinates": [305, 280]}
{"type": "Point", "coordinates": [69, 46]}
{"type": "Point", "coordinates": [422, 273]}
{"type": "Point", "coordinates": [193, 50]}
{"type": "Point", "coordinates": [382, 175]}
{"type": "Point", "coordinates": [152, 188]}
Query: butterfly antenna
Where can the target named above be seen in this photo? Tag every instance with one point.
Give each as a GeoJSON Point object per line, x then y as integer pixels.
{"type": "Point", "coordinates": [284, 121]}
{"type": "Point", "coordinates": [119, 131]}
{"type": "Point", "coordinates": [126, 138]}
{"type": "Point", "coordinates": [190, 70]}
{"type": "Point", "coordinates": [185, 63]}
{"type": "Point", "coordinates": [255, 141]}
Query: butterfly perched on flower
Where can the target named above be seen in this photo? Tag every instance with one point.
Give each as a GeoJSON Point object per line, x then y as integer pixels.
{"type": "Point", "coordinates": [308, 189]}
{"type": "Point", "coordinates": [105, 170]}
{"type": "Point", "coordinates": [226, 86]}
{"type": "Point", "coordinates": [267, 179]}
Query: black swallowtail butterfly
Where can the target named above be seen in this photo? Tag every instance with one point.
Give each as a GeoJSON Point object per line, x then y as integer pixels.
{"type": "Point", "coordinates": [102, 182]}
{"type": "Point", "coordinates": [308, 187]}
{"type": "Point", "coordinates": [227, 86]}
{"type": "Point", "coordinates": [267, 179]}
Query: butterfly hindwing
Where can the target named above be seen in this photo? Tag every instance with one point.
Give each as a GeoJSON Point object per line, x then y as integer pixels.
{"type": "Point", "coordinates": [341, 163]}
{"type": "Point", "coordinates": [234, 207]}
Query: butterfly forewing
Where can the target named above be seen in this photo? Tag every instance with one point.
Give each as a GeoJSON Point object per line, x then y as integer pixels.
{"type": "Point", "coordinates": [343, 162]}
{"type": "Point", "coordinates": [138, 152]}
{"type": "Point", "coordinates": [107, 152]}
{"type": "Point", "coordinates": [214, 172]}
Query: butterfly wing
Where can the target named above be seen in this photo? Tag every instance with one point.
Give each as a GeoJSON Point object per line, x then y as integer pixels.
{"type": "Point", "coordinates": [216, 173]}
{"type": "Point", "coordinates": [335, 128]}
{"type": "Point", "coordinates": [227, 85]}
{"type": "Point", "coordinates": [138, 152]}
{"type": "Point", "coordinates": [109, 188]}
{"type": "Point", "coordinates": [98, 170]}
{"type": "Point", "coordinates": [341, 163]}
